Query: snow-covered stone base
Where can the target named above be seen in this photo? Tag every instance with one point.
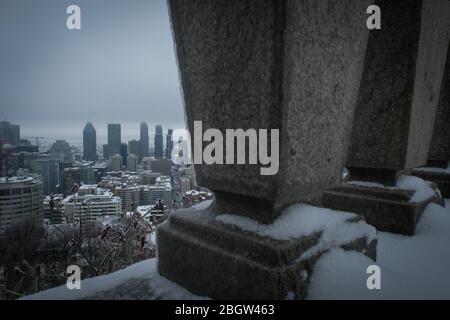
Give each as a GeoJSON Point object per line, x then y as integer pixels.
{"type": "Point", "coordinates": [414, 267]}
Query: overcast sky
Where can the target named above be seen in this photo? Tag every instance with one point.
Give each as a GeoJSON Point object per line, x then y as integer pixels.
{"type": "Point", "coordinates": [120, 67]}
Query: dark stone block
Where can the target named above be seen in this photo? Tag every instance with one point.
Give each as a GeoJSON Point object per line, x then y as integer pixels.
{"type": "Point", "coordinates": [400, 86]}
{"type": "Point", "coordinates": [441, 179]}
{"type": "Point", "coordinates": [386, 209]}
{"type": "Point", "coordinates": [220, 261]}
{"type": "Point", "coordinates": [288, 65]}
{"type": "Point", "coordinates": [440, 144]}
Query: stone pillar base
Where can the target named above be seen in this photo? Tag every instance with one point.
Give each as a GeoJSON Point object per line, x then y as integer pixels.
{"type": "Point", "coordinates": [220, 261]}
{"type": "Point", "coordinates": [440, 178]}
{"type": "Point", "coordinates": [384, 208]}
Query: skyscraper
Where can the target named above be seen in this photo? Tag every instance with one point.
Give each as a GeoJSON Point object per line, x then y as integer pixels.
{"type": "Point", "coordinates": [169, 144]}
{"type": "Point", "coordinates": [144, 142]}
{"type": "Point", "coordinates": [133, 147]}
{"type": "Point", "coordinates": [159, 149]}
{"type": "Point", "coordinates": [114, 134]}
{"type": "Point", "coordinates": [114, 141]}
{"type": "Point", "coordinates": [10, 132]}
{"type": "Point", "coordinates": [89, 143]}
{"type": "Point", "coordinates": [47, 168]}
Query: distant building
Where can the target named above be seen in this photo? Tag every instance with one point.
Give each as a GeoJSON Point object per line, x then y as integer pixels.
{"type": "Point", "coordinates": [169, 144]}
{"type": "Point", "coordinates": [10, 132]}
{"type": "Point", "coordinates": [115, 163]}
{"type": "Point", "coordinates": [89, 143]}
{"type": "Point", "coordinates": [61, 151]}
{"type": "Point", "coordinates": [71, 177]}
{"type": "Point", "coordinates": [114, 134]}
{"type": "Point", "coordinates": [159, 148]}
{"type": "Point", "coordinates": [124, 153]}
{"type": "Point", "coordinates": [20, 198]}
{"type": "Point", "coordinates": [154, 193]}
{"type": "Point", "coordinates": [132, 163]}
{"type": "Point", "coordinates": [114, 145]}
{"type": "Point", "coordinates": [144, 141]}
{"type": "Point", "coordinates": [185, 185]}
{"type": "Point", "coordinates": [129, 197]}
{"type": "Point", "coordinates": [163, 166]}
{"type": "Point", "coordinates": [55, 213]}
{"type": "Point", "coordinates": [47, 168]}
{"type": "Point", "coordinates": [133, 147]}
{"type": "Point", "coordinates": [91, 203]}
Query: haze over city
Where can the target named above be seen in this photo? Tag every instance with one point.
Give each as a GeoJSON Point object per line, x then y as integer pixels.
{"type": "Point", "coordinates": [119, 68]}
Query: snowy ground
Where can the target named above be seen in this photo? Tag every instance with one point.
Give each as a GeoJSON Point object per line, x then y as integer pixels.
{"type": "Point", "coordinates": [416, 267]}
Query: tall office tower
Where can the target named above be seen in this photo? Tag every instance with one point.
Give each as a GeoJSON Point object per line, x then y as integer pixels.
{"type": "Point", "coordinates": [159, 149]}
{"type": "Point", "coordinates": [132, 162]}
{"type": "Point", "coordinates": [10, 132]}
{"type": "Point", "coordinates": [47, 168]}
{"type": "Point", "coordinates": [124, 153]}
{"type": "Point", "coordinates": [144, 142]}
{"type": "Point", "coordinates": [169, 144]}
{"type": "Point", "coordinates": [114, 134]}
{"type": "Point", "coordinates": [133, 147]}
{"type": "Point", "coordinates": [20, 198]}
{"type": "Point", "coordinates": [114, 141]}
{"type": "Point", "coordinates": [89, 143]}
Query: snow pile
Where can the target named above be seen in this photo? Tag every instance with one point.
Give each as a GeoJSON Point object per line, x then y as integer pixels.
{"type": "Point", "coordinates": [422, 189]}
{"type": "Point", "coordinates": [144, 271]}
{"type": "Point", "coordinates": [414, 267]}
{"type": "Point", "coordinates": [301, 220]}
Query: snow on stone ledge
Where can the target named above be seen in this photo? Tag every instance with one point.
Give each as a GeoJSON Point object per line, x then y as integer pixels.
{"type": "Point", "coordinates": [422, 189]}
{"type": "Point", "coordinates": [145, 271]}
{"type": "Point", "coordinates": [301, 220]}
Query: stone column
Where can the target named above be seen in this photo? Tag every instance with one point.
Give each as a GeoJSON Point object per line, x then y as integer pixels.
{"type": "Point", "coordinates": [396, 108]}
{"type": "Point", "coordinates": [438, 168]}
{"type": "Point", "coordinates": [292, 65]}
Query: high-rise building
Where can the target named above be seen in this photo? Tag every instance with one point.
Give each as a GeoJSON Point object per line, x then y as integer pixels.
{"type": "Point", "coordinates": [114, 145]}
{"type": "Point", "coordinates": [47, 168]}
{"type": "Point", "coordinates": [169, 144]}
{"type": "Point", "coordinates": [20, 198]}
{"type": "Point", "coordinates": [115, 163]}
{"type": "Point", "coordinates": [124, 153]}
{"type": "Point", "coordinates": [61, 151]}
{"type": "Point", "coordinates": [132, 163]}
{"type": "Point", "coordinates": [133, 147]}
{"type": "Point", "coordinates": [10, 132]}
{"type": "Point", "coordinates": [144, 141]}
{"type": "Point", "coordinates": [114, 134]}
{"type": "Point", "coordinates": [159, 148]}
{"type": "Point", "coordinates": [89, 143]}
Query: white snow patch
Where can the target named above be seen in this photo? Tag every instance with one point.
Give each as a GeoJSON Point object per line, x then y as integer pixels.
{"type": "Point", "coordinates": [296, 221]}
{"type": "Point", "coordinates": [144, 271]}
{"type": "Point", "coordinates": [303, 220]}
{"type": "Point", "coordinates": [422, 189]}
{"type": "Point", "coordinates": [414, 267]}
